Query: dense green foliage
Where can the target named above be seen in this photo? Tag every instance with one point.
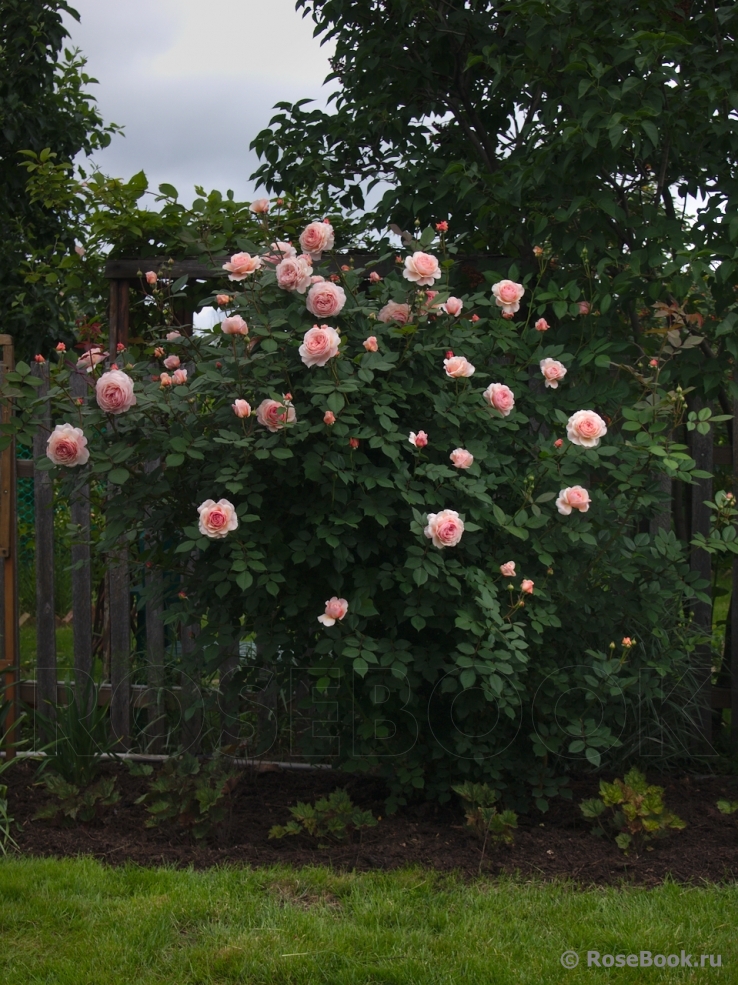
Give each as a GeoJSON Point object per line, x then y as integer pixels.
{"type": "Point", "coordinates": [580, 124]}
{"type": "Point", "coordinates": [436, 641]}
{"type": "Point", "coordinates": [43, 108]}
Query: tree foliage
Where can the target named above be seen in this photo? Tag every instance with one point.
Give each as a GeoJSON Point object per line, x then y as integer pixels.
{"type": "Point", "coordinates": [584, 125]}
{"type": "Point", "coordinates": [44, 107]}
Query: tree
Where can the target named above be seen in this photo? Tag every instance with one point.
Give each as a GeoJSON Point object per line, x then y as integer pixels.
{"type": "Point", "coordinates": [583, 125]}
{"type": "Point", "coordinates": [43, 107]}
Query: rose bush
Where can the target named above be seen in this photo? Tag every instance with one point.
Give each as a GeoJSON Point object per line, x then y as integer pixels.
{"type": "Point", "coordinates": [427, 550]}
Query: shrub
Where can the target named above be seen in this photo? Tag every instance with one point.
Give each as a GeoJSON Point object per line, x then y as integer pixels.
{"type": "Point", "coordinates": [330, 818]}
{"type": "Point", "coordinates": [196, 796]}
{"type": "Point", "coordinates": [87, 804]}
{"type": "Point", "coordinates": [482, 815]}
{"type": "Point", "coordinates": [637, 811]}
{"type": "Point", "coordinates": [320, 485]}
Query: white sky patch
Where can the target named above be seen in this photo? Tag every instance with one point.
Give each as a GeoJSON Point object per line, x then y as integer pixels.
{"type": "Point", "coordinates": [194, 81]}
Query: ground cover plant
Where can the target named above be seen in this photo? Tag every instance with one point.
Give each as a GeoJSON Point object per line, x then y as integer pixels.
{"type": "Point", "coordinates": [77, 920]}
{"type": "Point", "coordinates": [636, 811]}
{"type": "Point", "coordinates": [334, 818]}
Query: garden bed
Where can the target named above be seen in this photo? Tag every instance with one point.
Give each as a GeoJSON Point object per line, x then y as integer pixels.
{"type": "Point", "coordinates": [547, 846]}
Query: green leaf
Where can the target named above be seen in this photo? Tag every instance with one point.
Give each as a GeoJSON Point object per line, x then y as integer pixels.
{"type": "Point", "coordinates": [174, 460]}
{"type": "Point", "coordinates": [118, 476]}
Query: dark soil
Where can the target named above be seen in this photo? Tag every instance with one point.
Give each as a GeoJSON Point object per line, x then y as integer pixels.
{"type": "Point", "coordinates": [557, 844]}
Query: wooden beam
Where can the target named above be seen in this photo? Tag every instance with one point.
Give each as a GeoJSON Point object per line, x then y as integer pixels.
{"type": "Point", "coordinates": [133, 269]}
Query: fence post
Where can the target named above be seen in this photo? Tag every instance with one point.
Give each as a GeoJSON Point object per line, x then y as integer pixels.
{"type": "Point", "coordinates": [81, 569]}
{"type": "Point", "coordinates": [155, 661]}
{"type": "Point", "coordinates": [734, 605]}
{"type": "Point", "coordinates": [120, 647]}
{"type": "Point", "coordinates": [191, 733]}
{"type": "Point", "coordinates": [700, 562]}
{"type": "Point", "coordinates": [228, 698]}
{"type": "Point", "coordinates": [43, 502]}
{"type": "Point", "coordinates": [9, 655]}
{"type": "Point", "coordinates": [661, 519]}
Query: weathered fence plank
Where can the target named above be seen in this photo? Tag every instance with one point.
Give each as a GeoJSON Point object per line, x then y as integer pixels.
{"type": "Point", "coordinates": [81, 566]}
{"type": "Point", "coordinates": [734, 605]}
{"type": "Point", "coordinates": [9, 654]}
{"type": "Point", "coordinates": [190, 693]}
{"type": "Point", "coordinates": [43, 503]}
{"type": "Point", "coordinates": [155, 665]}
{"type": "Point", "coordinates": [701, 446]}
{"type": "Point", "coordinates": [120, 647]}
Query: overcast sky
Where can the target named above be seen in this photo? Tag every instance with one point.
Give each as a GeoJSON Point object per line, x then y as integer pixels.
{"type": "Point", "coordinates": [193, 81]}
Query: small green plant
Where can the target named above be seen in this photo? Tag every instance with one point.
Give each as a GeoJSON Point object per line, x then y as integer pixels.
{"type": "Point", "coordinates": [194, 795]}
{"type": "Point", "coordinates": [79, 727]}
{"type": "Point", "coordinates": [5, 822]}
{"type": "Point", "coordinates": [87, 804]}
{"type": "Point", "coordinates": [727, 806]}
{"type": "Point", "coordinates": [638, 814]}
{"type": "Point", "coordinates": [483, 817]}
{"type": "Point", "coordinates": [331, 818]}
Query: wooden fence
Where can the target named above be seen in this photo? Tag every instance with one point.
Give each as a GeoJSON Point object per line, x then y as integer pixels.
{"type": "Point", "coordinates": [119, 692]}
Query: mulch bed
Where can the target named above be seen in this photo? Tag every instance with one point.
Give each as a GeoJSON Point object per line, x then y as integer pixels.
{"type": "Point", "coordinates": [548, 846]}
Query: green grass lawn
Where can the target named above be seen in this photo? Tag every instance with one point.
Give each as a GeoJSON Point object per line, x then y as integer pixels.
{"type": "Point", "coordinates": [64, 650]}
{"type": "Point", "coordinates": [75, 922]}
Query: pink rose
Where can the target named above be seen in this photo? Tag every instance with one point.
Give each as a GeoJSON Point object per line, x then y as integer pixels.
{"type": "Point", "coordinates": [329, 418]}
{"type": "Point", "coordinates": [393, 311]}
{"type": "Point", "coordinates": [234, 325]}
{"type": "Point", "coordinates": [179, 377]}
{"type": "Point", "coordinates": [457, 367]}
{"type": "Point", "coordinates": [542, 325]}
{"type": "Point", "coordinates": [172, 362]}
{"type": "Point", "coordinates": [558, 443]}
{"type": "Point", "coordinates": [294, 274]}
{"type": "Point", "coordinates": [319, 344]}
{"type": "Point", "coordinates": [526, 586]}
{"type": "Point", "coordinates": [461, 458]}
{"type": "Point", "coordinates": [317, 237]}
{"type": "Point", "coordinates": [241, 265]}
{"type": "Point", "coordinates": [442, 226]}
{"type": "Point", "coordinates": [584, 307]}
{"type": "Point", "coordinates": [241, 408]}
{"type": "Point", "coordinates": [573, 498]}
{"type": "Point", "coordinates": [335, 609]}
{"type": "Point", "coordinates": [585, 428]}
{"type": "Point", "coordinates": [507, 570]}
{"type": "Point", "coordinates": [374, 277]}
{"type": "Point", "coordinates": [420, 440]}
{"type": "Point", "coordinates": [217, 519]}
{"type": "Point", "coordinates": [317, 279]}
{"type": "Point", "coordinates": [67, 445]}
{"type": "Point", "coordinates": [325, 300]}
{"type": "Point", "coordinates": [91, 358]}
{"type": "Point", "coordinates": [173, 335]}
{"type": "Point", "coordinates": [500, 397]}
{"type": "Point", "coordinates": [114, 392]}
{"type": "Point", "coordinates": [165, 379]}
{"type": "Point", "coordinates": [274, 415]}
{"type": "Point", "coordinates": [151, 278]}
{"type": "Point", "coordinates": [60, 347]}
{"type": "Point", "coordinates": [453, 306]}
{"type": "Point", "coordinates": [444, 528]}
{"type": "Point", "coordinates": [370, 344]}
{"type": "Point", "coordinates": [553, 371]}
{"type": "Point", "coordinates": [260, 206]}
{"type": "Point", "coordinates": [422, 268]}
{"type": "Point", "coordinates": [223, 299]}
{"type": "Point", "coordinates": [507, 295]}
{"type": "Point", "coordinates": [280, 251]}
